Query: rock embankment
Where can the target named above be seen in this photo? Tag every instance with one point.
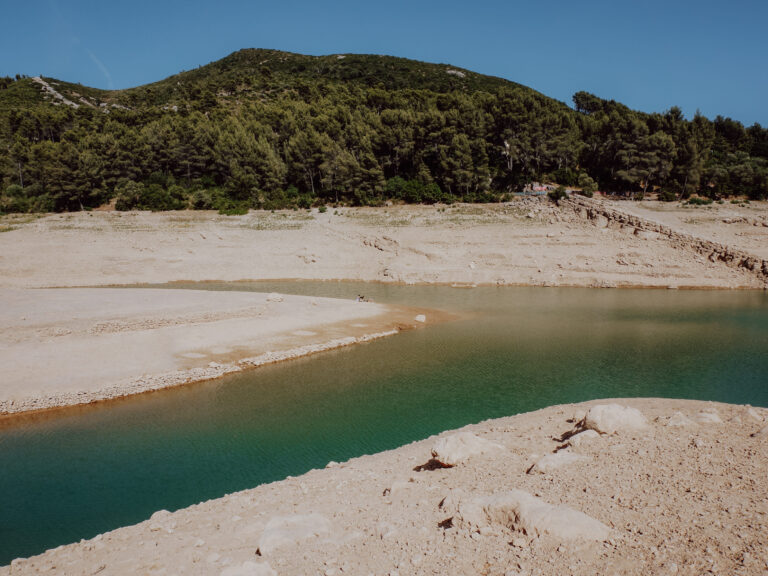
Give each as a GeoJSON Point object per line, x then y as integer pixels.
{"type": "Point", "coordinates": [606, 216]}
{"type": "Point", "coordinates": [643, 486]}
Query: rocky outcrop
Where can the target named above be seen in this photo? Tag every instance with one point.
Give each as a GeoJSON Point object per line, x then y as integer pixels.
{"type": "Point", "coordinates": [604, 216]}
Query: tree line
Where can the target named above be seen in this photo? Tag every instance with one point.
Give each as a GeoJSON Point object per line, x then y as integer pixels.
{"type": "Point", "coordinates": [235, 142]}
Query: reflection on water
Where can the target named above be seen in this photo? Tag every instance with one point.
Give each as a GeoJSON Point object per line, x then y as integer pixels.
{"type": "Point", "coordinates": [77, 473]}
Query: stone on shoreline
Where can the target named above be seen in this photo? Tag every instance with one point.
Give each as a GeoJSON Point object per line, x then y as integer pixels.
{"type": "Point", "coordinates": [457, 448]}
{"type": "Point", "coordinates": [582, 438]}
{"type": "Point", "coordinates": [614, 418]}
{"type": "Point", "coordinates": [520, 511]}
{"type": "Point", "coordinates": [709, 417]}
{"type": "Point", "coordinates": [678, 419]}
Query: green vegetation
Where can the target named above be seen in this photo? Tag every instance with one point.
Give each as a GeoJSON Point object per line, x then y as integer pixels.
{"type": "Point", "coordinates": [268, 129]}
{"type": "Point", "coordinates": [698, 201]}
{"type": "Point", "coordinates": [557, 194]}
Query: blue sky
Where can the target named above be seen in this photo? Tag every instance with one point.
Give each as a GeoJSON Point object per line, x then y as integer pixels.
{"type": "Point", "coordinates": [651, 55]}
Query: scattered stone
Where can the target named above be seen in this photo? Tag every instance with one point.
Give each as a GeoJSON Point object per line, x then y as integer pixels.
{"type": "Point", "coordinates": [457, 448]}
{"type": "Point", "coordinates": [613, 418]}
{"type": "Point", "coordinates": [582, 438]}
{"type": "Point", "coordinates": [678, 419]}
{"type": "Point", "coordinates": [286, 530]}
{"type": "Point", "coordinates": [274, 297]}
{"type": "Point", "coordinates": [523, 512]}
{"type": "Point", "coordinates": [762, 433]}
{"type": "Point", "coordinates": [709, 417]}
{"type": "Point", "coordinates": [249, 568]}
{"type": "Point", "coordinates": [552, 462]}
{"type": "Point", "coordinates": [420, 318]}
{"type": "Point", "coordinates": [754, 414]}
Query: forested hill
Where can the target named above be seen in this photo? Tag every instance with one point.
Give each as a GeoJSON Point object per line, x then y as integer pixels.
{"type": "Point", "coordinates": [269, 129]}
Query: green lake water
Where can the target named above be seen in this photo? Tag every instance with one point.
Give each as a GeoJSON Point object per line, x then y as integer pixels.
{"type": "Point", "coordinates": [77, 473]}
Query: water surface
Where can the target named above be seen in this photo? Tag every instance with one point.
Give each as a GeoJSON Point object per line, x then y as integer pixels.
{"type": "Point", "coordinates": [84, 471]}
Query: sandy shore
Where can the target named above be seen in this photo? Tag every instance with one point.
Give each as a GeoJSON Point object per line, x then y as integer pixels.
{"type": "Point", "coordinates": [681, 493]}
{"type": "Point", "coordinates": [62, 347]}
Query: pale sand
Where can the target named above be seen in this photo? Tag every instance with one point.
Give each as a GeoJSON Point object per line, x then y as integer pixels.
{"type": "Point", "coordinates": [521, 243]}
{"type": "Point", "coordinates": [677, 500]}
{"type": "Point", "coordinates": [79, 345]}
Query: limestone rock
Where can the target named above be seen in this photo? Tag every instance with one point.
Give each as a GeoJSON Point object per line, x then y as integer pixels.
{"type": "Point", "coordinates": [582, 438]}
{"type": "Point", "coordinates": [678, 419]}
{"type": "Point", "coordinates": [274, 297]}
{"type": "Point", "coordinates": [456, 448]}
{"type": "Point", "coordinates": [520, 511]}
{"type": "Point", "coordinates": [613, 418]}
{"type": "Point", "coordinates": [286, 530]}
{"type": "Point", "coordinates": [709, 417]}
{"type": "Point", "coordinates": [753, 414]}
{"type": "Point", "coordinates": [420, 318]}
{"type": "Point", "coordinates": [249, 568]}
{"type": "Point", "coordinates": [762, 433]}
{"type": "Point", "coordinates": [552, 462]}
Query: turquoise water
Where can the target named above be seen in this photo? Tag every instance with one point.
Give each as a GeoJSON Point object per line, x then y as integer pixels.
{"type": "Point", "coordinates": [81, 472]}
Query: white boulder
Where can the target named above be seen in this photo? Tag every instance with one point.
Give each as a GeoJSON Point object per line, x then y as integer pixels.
{"type": "Point", "coordinates": [520, 511]}
{"type": "Point", "coordinates": [709, 417]}
{"type": "Point", "coordinates": [613, 418]}
{"type": "Point", "coordinates": [457, 448]}
{"type": "Point", "coordinates": [678, 419]}
{"type": "Point", "coordinates": [582, 438]}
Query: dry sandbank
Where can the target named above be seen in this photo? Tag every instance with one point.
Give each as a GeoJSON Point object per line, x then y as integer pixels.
{"type": "Point", "coordinates": [526, 242]}
{"type": "Point", "coordinates": [61, 347]}
{"type": "Point", "coordinates": [683, 494]}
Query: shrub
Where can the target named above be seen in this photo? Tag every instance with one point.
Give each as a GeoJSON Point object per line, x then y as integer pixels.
{"type": "Point", "coordinates": [234, 210]}
{"type": "Point", "coordinates": [557, 194]}
{"type": "Point", "coordinates": [698, 201]}
{"type": "Point", "coordinates": [14, 200]}
{"type": "Point", "coordinates": [323, 209]}
{"type": "Point", "coordinates": [587, 184]}
{"type": "Point", "coordinates": [667, 196]}
{"type": "Point", "coordinates": [136, 196]}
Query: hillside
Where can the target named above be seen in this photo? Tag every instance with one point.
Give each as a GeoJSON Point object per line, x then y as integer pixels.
{"type": "Point", "coordinates": [270, 129]}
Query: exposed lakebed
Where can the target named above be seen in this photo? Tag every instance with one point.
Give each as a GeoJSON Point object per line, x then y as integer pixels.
{"type": "Point", "coordinates": [79, 472]}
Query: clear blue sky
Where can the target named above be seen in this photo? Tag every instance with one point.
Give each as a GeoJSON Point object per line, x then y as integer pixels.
{"type": "Point", "coordinates": [696, 54]}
